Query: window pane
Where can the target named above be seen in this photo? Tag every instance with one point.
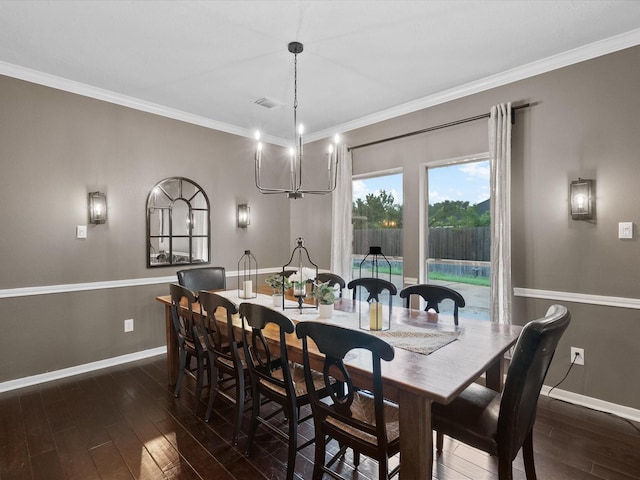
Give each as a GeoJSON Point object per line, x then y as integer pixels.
{"type": "Point", "coordinates": [377, 221]}
{"type": "Point", "coordinates": [458, 237]}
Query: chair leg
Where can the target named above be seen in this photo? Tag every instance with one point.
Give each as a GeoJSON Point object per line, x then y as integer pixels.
{"type": "Point", "coordinates": [439, 442]}
{"type": "Point", "coordinates": [293, 442]}
{"type": "Point", "coordinates": [183, 360]}
{"type": "Point", "coordinates": [199, 381]}
{"type": "Point", "coordinates": [240, 394]}
{"type": "Point", "coordinates": [505, 472]}
{"type": "Point", "coordinates": [255, 412]}
{"type": "Point", "coordinates": [212, 388]}
{"type": "Point", "coordinates": [527, 453]}
{"type": "Point", "coordinates": [383, 468]}
{"type": "Point", "coordinates": [318, 462]}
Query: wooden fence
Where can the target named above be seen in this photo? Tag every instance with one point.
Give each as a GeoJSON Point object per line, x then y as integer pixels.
{"type": "Point", "coordinates": [471, 243]}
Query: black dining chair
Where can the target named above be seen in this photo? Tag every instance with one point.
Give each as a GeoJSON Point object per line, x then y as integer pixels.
{"type": "Point", "coordinates": [203, 278]}
{"type": "Point", "coordinates": [373, 286]}
{"type": "Point", "coordinates": [226, 356]}
{"type": "Point", "coordinates": [190, 343]}
{"type": "Point", "coordinates": [357, 416]}
{"type": "Point", "coordinates": [434, 295]}
{"type": "Point", "coordinates": [502, 423]}
{"type": "Point", "coordinates": [333, 280]}
{"type": "Point", "coordinates": [275, 378]}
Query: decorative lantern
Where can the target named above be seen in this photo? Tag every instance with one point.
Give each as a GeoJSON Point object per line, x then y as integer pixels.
{"type": "Point", "coordinates": [373, 316]}
{"type": "Point", "coordinates": [303, 277]}
{"type": "Point", "coordinates": [247, 275]}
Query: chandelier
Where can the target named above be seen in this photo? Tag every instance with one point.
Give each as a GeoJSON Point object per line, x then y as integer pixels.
{"type": "Point", "coordinates": [295, 189]}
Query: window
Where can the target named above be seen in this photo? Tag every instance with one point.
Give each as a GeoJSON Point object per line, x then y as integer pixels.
{"type": "Point", "coordinates": [458, 233]}
{"type": "Point", "coordinates": [177, 223]}
{"type": "Point", "coordinates": [377, 221]}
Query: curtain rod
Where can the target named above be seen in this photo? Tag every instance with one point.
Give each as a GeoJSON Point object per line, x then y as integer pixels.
{"type": "Point", "coordinates": [437, 127]}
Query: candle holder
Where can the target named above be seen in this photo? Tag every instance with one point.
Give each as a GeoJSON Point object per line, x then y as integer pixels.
{"type": "Point", "coordinates": [301, 279]}
{"type": "Point", "coordinates": [375, 316]}
{"type": "Point", "coordinates": [247, 275]}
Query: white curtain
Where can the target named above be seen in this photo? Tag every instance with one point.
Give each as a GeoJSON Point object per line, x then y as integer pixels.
{"type": "Point", "coordinates": [341, 230]}
{"type": "Point", "coordinates": [500, 157]}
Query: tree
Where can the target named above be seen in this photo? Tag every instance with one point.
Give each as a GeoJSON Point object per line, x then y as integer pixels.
{"type": "Point", "coordinates": [378, 211]}
{"type": "Point", "coordinates": [457, 213]}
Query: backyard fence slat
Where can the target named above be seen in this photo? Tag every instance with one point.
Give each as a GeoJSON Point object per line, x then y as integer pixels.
{"type": "Point", "coordinates": [468, 243]}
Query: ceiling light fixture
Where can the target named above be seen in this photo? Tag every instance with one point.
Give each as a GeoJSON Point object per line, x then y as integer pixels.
{"type": "Point", "coordinates": [295, 189]}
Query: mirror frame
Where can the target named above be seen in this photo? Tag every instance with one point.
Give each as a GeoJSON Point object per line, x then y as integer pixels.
{"type": "Point", "coordinates": [170, 254]}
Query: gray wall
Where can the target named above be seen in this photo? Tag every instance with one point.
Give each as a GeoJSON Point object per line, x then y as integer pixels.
{"type": "Point", "coordinates": [582, 122]}
{"type": "Point", "coordinates": [55, 147]}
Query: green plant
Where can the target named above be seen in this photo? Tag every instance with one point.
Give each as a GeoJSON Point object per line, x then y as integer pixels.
{"type": "Point", "coordinates": [322, 292]}
{"type": "Point", "coordinates": [277, 282]}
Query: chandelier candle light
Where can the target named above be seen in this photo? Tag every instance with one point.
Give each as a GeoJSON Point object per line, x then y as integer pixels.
{"type": "Point", "coordinates": [295, 189]}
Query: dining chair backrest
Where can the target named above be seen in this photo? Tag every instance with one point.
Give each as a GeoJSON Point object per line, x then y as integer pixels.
{"type": "Point", "coordinates": [182, 315]}
{"type": "Point", "coordinates": [332, 279]}
{"type": "Point", "coordinates": [374, 287]}
{"type": "Point", "coordinates": [219, 336]}
{"type": "Point", "coordinates": [203, 278]}
{"type": "Point", "coordinates": [261, 361]}
{"type": "Point", "coordinates": [434, 295]}
{"type": "Point", "coordinates": [529, 365]}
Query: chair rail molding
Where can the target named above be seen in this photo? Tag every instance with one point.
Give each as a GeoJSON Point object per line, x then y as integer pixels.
{"type": "Point", "coordinates": [604, 300]}
{"type": "Point", "coordinates": [131, 282]}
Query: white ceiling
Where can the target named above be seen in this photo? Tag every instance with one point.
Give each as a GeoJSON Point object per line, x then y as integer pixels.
{"type": "Point", "coordinates": [207, 62]}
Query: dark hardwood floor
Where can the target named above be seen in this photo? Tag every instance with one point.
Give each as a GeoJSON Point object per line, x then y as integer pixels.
{"type": "Point", "coordinates": [123, 423]}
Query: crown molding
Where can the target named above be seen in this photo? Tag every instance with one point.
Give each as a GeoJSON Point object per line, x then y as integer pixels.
{"type": "Point", "coordinates": [85, 90]}
{"type": "Point", "coordinates": [576, 55]}
{"type": "Point", "coordinates": [571, 57]}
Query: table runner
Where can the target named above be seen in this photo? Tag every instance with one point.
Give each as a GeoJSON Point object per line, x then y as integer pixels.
{"type": "Point", "coordinates": [407, 337]}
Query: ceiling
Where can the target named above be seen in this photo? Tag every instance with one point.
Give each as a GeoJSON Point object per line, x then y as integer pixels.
{"type": "Point", "coordinates": [207, 62]}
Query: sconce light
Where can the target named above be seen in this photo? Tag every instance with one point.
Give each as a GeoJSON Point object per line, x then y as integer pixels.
{"type": "Point", "coordinates": [581, 199]}
{"type": "Point", "coordinates": [97, 207]}
{"type": "Point", "coordinates": [244, 215]}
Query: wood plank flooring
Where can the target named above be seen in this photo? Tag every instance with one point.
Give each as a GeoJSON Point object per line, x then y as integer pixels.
{"type": "Point", "coordinates": [124, 423]}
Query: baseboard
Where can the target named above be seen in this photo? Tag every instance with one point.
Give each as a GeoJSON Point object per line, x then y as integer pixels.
{"type": "Point", "coordinates": [78, 369]}
{"type": "Point", "coordinates": [593, 403]}
{"type": "Point", "coordinates": [570, 397]}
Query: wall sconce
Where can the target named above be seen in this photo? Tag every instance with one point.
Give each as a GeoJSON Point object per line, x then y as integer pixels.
{"type": "Point", "coordinates": [581, 199]}
{"type": "Point", "coordinates": [244, 215]}
{"type": "Point", "coordinates": [97, 207]}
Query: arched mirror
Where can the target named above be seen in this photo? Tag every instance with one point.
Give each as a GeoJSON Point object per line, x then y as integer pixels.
{"type": "Point", "coordinates": [178, 223]}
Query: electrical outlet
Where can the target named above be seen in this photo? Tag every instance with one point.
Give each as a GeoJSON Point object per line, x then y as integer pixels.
{"type": "Point", "coordinates": [128, 325]}
{"type": "Point", "coordinates": [578, 355]}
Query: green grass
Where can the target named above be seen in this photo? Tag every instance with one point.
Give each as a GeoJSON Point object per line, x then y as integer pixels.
{"type": "Point", "coordinates": [384, 269]}
{"type": "Point", "coordinates": [483, 281]}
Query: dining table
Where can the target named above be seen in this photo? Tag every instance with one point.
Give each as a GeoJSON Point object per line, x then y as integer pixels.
{"type": "Point", "coordinates": [434, 361]}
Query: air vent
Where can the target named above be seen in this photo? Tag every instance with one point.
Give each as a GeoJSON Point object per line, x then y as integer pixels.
{"type": "Point", "coordinates": [267, 102]}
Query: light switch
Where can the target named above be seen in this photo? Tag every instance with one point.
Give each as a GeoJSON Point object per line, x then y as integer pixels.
{"type": "Point", "coordinates": [81, 231]}
{"type": "Point", "coordinates": [625, 230]}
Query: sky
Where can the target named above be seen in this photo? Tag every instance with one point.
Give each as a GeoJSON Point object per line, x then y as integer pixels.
{"type": "Point", "coordinates": [467, 182]}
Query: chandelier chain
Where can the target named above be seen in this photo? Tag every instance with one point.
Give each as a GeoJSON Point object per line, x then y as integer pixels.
{"type": "Point", "coordinates": [295, 91]}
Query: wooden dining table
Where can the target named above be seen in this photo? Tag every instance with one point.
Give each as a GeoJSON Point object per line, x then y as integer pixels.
{"type": "Point", "coordinates": [413, 380]}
